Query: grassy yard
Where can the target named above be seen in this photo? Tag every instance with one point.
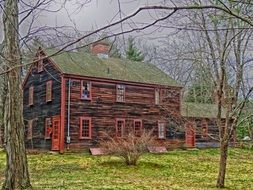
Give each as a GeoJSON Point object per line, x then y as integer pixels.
{"type": "Point", "coordinates": [192, 169]}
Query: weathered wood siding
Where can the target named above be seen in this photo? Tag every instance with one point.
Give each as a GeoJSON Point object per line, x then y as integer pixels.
{"type": "Point", "coordinates": [40, 108]}
{"type": "Point", "coordinates": [103, 109]}
{"type": "Point", "coordinates": [201, 140]}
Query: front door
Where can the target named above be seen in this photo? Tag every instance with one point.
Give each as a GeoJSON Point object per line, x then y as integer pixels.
{"type": "Point", "coordinates": [56, 133]}
{"type": "Point", "coordinates": [190, 135]}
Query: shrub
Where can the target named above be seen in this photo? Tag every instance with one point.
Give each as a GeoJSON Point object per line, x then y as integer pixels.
{"type": "Point", "coordinates": [129, 148]}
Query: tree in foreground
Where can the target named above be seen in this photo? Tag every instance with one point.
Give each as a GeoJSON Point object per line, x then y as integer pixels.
{"type": "Point", "coordinates": [16, 173]}
{"type": "Point", "coordinates": [130, 147]}
{"type": "Point", "coordinates": [222, 44]}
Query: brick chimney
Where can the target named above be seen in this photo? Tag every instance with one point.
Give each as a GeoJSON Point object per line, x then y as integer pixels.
{"type": "Point", "coordinates": [100, 48]}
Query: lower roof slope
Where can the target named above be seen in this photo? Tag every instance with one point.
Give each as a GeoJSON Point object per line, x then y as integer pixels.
{"type": "Point", "coordinates": [198, 110]}
{"type": "Point", "coordinates": [80, 63]}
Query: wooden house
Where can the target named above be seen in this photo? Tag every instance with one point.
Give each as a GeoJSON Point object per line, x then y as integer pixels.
{"type": "Point", "coordinates": [72, 98]}
{"type": "Point", "coordinates": [200, 124]}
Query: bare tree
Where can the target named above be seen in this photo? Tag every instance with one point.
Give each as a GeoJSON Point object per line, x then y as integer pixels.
{"type": "Point", "coordinates": [221, 44]}
{"type": "Point", "coordinates": [16, 173]}
{"type": "Point", "coordinates": [227, 89]}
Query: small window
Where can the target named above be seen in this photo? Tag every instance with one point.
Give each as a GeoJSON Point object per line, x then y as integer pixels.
{"type": "Point", "coordinates": [120, 127]}
{"type": "Point", "coordinates": [40, 64]}
{"type": "Point", "coordinates": [137, 127]}
{"type": "Point", "coordinates": [120, 93]}
{"type": "Point", "coordinates": [85, 128]}
{"type": "Point", "coordinates": [49, 91]}
{"type": "Point", "coordinates": [30, 100]}
{"type": "Point", "coordinates": [157, 96]}
{"type": "Point", "coordinates": [48, 128]}
{"type": "Point", "coordinates": [85, 90]}
{"type": "Point", "coordinates": [161, 130]}
{"type": "Point", "coordinates": [30, 129]}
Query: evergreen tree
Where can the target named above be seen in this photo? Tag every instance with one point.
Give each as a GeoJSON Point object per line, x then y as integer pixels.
{"type": "Point", "coordinates": [132, 53]}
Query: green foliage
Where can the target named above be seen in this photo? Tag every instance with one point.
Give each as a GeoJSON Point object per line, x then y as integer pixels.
{"type": "Point", "coordinates": [132, 53]}
{"type": "Point", "coordinates": [201, 89]}
{"type": "Point", "coordinates": [191, 170]}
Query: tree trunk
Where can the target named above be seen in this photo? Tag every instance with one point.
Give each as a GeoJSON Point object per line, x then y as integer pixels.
{"type": "Point", "coordinates": [16, 173]}
{"type": "Point", "coordinates": [223, 164]}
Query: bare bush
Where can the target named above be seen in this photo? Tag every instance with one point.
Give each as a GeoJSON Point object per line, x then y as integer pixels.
{"type": "Point", "coordinates": [129, 148]}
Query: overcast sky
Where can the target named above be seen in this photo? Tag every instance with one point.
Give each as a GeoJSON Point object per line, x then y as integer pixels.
{"type": "Point", "coordinates": [92, 15]}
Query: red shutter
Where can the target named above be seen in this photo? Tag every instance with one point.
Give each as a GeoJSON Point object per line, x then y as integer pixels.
{"type": "Point", "coordinates": [29, 129]}
{"type": "Point", "coordinates": [30, 101]}
{"type": "Point", "coordinates": [40, 65]}
{"type": "Point", "coordinates": [49, 91]}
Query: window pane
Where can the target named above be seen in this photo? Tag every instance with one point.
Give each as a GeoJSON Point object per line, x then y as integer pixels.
{"type": "Point", "coordinates": [137, 128]}
{"type": "Point", "coordinates": [86, 128]}
{"type": "Point", "coordinates": [120, 93]}
{"type": "Point", "coordinates": [85, 90]}
{"type": "Point", "coordinates": [120, 128]}
{"type": "Point", "coordinates": [161, 130]}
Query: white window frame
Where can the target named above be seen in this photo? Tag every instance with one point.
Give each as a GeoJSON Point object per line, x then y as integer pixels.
{"type": "Point", "coordinates": [88, 89]}
{"type": "Point", "coordinates": [161, 130]}
{"type": "Point", "coordinates": [120, 93]}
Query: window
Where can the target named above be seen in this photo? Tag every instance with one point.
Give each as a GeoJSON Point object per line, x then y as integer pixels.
{"type": "Point", "coordinates": [137, 127]}
{"type": "Point", "coordinates": [40, 64]}
{"type": "Point", "coordinates": [120, 127]}
{"type": "Point", "coordinates": [157, 96]}
{"type": "Point", "coordinates": [30, 129]}
{"type": "Point", "coordinates": [85, 128]}
{"type": "Point", "coordinates": [30, 100]}
{"type": "Point", "coordinates": [161, 130]}
{"type": "Point", "coordinates": [49, 91]}
{"type": "Point", "coordinates": [48, 128]}
{"type": "Point", "coordinates": [85, 90]}
{"type": "Point", "coordinates": [120, 93]}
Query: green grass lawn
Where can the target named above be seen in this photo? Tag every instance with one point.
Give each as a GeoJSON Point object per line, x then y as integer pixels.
{"type": "Point", "coordinates": [192, 169]}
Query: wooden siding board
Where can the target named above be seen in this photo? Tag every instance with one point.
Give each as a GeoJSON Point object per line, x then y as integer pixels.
{"type": "Point", "coordinates": [41, 109]}
{"type": "Point", "coordinates": [103, 109]}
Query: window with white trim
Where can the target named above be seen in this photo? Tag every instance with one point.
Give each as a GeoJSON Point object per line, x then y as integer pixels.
{"type": "Point", "coordinates": [120, 93]}
{"type": "Point", "coordinates": [85, 90]}
{"type": "Point", "coordinates": [161, 130]}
